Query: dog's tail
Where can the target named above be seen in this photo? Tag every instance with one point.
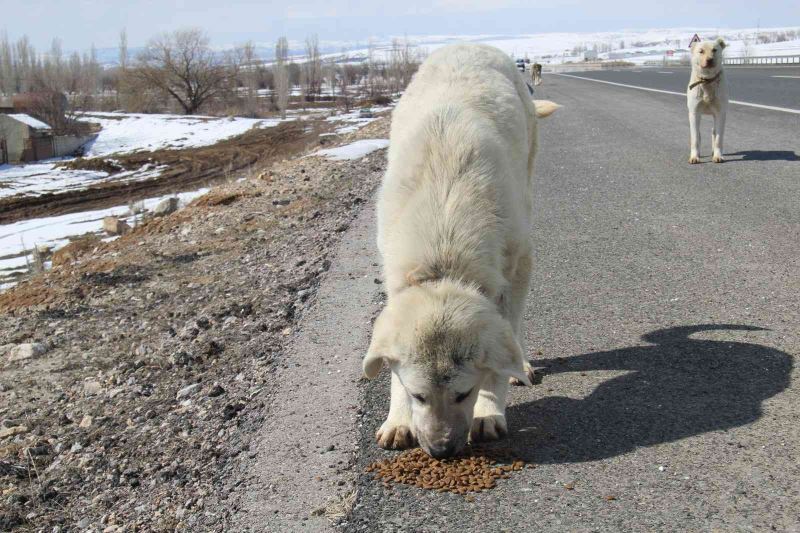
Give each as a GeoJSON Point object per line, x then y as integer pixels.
{"type": "Point", "coordinates": [545, 108]}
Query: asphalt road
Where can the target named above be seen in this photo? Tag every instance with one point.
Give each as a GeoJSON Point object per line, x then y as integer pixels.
{"type": "Point", "coordinates": [663, 319]}
{"type": "Point", "coordinates": [775, 86]}
{"type": "Point", "coordinates": [665, 306]}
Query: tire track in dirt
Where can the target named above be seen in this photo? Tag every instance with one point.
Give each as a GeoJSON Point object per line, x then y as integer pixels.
{"type": "Point", "coordinates": [187, 168]}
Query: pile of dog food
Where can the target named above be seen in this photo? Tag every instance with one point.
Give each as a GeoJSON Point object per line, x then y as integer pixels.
{"type": "Point", "coordinates": [475, 470]}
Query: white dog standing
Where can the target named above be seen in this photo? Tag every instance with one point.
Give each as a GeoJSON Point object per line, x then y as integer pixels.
{"type": "Point", "coordinates": [707, 94]}
{"type": "Point", "coordinates": [454, 223]}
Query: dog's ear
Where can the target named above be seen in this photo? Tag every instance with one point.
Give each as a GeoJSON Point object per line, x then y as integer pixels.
{"type": "Point", "coordinates": [504, 356]}
{"type": "Point", "coordinates": [379, 346]}
{"type": "Point", "coordinates": [721, 43]}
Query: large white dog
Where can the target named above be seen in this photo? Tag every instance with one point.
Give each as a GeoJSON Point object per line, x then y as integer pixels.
{"type": "Point", "coordinates": [707, 94]}
{"type": "Point", "coordinates": [454, 223]}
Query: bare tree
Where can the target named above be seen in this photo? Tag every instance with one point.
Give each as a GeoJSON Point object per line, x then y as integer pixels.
{"type": "Point", "coordinates": [330, 73]}
{"type": "Point", "coordinates": [123, 50]}
{"type": "Point", "coordinates": [249, 69]}
{"type": "Point", "coordinates": [350, 77]}
{"type": "Point", "coordinates": [372, 70]}
{"type": "Point", "coordinates": [312, 69]}
{"type": "Point", "coordinates": [282, 75]}
{"type": "Point", "coordinates": [749, 47]}
{"type": "Point", "coordinates": [122, 72]}
{"type": "Point", "coordinates": [6, 66]}
{"type": "Point", "coordinates": [183, 66]}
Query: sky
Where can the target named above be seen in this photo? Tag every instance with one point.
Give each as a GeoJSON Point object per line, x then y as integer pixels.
{"type": "Point", "coordinates": [81, 23]}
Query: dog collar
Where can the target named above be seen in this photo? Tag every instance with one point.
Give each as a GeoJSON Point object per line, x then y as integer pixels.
{"type": "Point", "coordinates": [704, 81]}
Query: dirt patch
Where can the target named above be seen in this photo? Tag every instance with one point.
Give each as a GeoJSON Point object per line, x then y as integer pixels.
{"type": "Point", "coordinates": [96, 164]}
{"type": "Point", "coordinates": [159, 348]}
{"type": "Point", "coordinates": [185, 169]}
{"type": "Point", "coordinates": [72, 251]}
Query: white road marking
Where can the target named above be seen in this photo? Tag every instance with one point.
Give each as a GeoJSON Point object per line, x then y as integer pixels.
{"type": "Point", "coordinates": [792, 77]}
{"type": "Point", "coordinates": [665, 72]}
{"type": "Point", "coordinates": [748, 104]}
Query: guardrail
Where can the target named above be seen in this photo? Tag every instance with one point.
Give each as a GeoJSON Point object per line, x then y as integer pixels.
{"type": "Point", "coordinates": [588, 65]}
{"type": "Point", "coordinates": [793, 60]}
{"type": "Point", "coordinates": [763, 60]}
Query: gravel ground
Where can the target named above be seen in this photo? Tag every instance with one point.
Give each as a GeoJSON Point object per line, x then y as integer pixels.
{"type": "Point", "coordinates": [134, 377]}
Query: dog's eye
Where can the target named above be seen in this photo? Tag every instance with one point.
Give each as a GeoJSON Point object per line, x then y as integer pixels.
{"type": "Point", "coordinates": [419, 397]}
{"type": "Point", "coordinates": [702, 51]}
{"type": "Point", "coordinates": [714, 50]}
{"type": "Point", "coordinates": [461, 397]}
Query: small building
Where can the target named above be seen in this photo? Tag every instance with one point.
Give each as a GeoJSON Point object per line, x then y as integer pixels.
{"type": "Point", "coordinates": [589, 55]}
{"type": "Point", "coordinates": [24, 138]}
{"type": "Point", "coordinates": [6, 104]}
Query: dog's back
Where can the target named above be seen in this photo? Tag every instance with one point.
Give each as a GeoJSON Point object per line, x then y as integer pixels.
{"type": "Point", "coordinates": [460, 160]}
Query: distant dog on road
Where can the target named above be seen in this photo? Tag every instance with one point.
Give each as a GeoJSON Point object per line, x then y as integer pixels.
{"type": "Point", "coordinates": [707, 94]}
{"type": "Point", "coordinates": [536, 72]}
{"type": "Point", "coordinates": [454, 231]}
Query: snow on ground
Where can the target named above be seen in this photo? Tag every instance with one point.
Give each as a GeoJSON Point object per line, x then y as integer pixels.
{"type": "Point", "coordinates": [41, 178]}
{"type": "Point", "coordinates": [20, 237]}
{"type": "Point", "coordinates": [131, 132]}
{"type": "Point", "coordinates": [354, 121]}
{"type": "Point", "coordinates": [355, 150]}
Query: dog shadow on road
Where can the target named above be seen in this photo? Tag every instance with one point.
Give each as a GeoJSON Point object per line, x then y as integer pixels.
{"type": "Point", "coordinates": [762, 155]}
{"type": "Point", "coordinates": [676, 388]}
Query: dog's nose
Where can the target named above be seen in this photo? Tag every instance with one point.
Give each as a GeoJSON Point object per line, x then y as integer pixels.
{"type": "Point", "coordinates": [440, 451]}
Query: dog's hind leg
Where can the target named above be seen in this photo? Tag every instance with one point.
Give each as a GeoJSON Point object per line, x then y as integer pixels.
{"type": "Point", "coordinates": [520, 280]}
{"type": "Point", "coordinates": [694, 137]}
{"type": "Point", "coordinates": [396, 433]}
{"type": "Point", "coordinates": [717, 134]}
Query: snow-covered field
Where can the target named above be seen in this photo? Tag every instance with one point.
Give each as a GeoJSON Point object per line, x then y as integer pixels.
{"type": "Point", "coordinates": [557, 47]}
{"type": "Point", "coordinates": [124, 133]}
{"type": "Point", "coordinates": [130, 132]}
{"type": "Point", "coordinates": [353, 121]}
{"type": "Point", "coordinates": [42, 178]}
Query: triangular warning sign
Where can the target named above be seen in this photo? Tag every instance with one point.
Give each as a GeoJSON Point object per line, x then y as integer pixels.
{"type": "Point", "coordinates": [695, 39]}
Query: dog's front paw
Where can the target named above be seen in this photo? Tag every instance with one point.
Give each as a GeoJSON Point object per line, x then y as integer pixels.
{"type": "Point", "coordinates": [529, 371]}
{"type": "Point", "coordinates": [491, 427]}
{"type": "Point", "coordinates": [718, 158]}
{"type": "Point", "coordinates": [693, 160]}
{"type": "Point", "coordinates": [392, 436]}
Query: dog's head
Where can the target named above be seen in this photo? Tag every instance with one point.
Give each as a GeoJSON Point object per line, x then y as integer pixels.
{"type": "Point", "coordinates": [707, 56]}
{"type": "Point", "coordinates": [442, 339]}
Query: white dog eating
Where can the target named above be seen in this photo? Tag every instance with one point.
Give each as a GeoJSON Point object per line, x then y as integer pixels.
{"type": "Point", "coordinates": [454, 222]}
{"type": "Point", "coordinates": [707, 94]}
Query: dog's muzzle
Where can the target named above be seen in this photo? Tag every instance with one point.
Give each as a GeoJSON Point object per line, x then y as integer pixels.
{"type": "Point", "coordinates": [442, 451]}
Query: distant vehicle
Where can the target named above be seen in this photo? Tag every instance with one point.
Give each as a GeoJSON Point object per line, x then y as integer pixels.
{"type": "Point", "coordinates": [365, 112]}
{"type": "Point", "coordinates": [521, 65]}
